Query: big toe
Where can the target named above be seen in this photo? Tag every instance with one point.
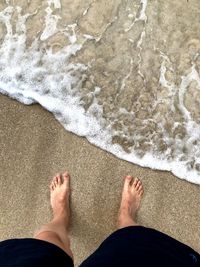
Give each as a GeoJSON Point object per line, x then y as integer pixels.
{"type": "Point", "coordinates": [127, 182]}
{"type": "Point", "coordinates": [66, 179]}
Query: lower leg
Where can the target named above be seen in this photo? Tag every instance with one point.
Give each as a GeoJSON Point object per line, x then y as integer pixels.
{"type": "Point", "coordinates": [56, 232]}
{"type": "Point", "coordinates": [131, 198]}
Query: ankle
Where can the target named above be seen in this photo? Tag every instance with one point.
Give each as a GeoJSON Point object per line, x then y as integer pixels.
{"type": "Point", "coordinates": [62, 219]}
{"type": "Point", "coordinates": [125, 222]}
{"type": "Point", "coordinates": [125, 213]}
{"type": "Point", "coordinates": [125, 219]}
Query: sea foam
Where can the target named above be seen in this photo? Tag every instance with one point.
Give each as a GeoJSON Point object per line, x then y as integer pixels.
{"type": "Point", "coordinates": [35, 73]}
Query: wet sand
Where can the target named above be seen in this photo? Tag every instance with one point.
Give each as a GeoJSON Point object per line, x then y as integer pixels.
{"type": "Point", "coordinates": [34, 147]}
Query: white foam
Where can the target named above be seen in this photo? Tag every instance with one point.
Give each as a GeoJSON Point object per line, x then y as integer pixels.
{"type": "Point", "coordinates": [143, 15]}
{"type": "Point", "coordinates": [50, 20]}
{"type": "Point", "coordinates": [193, 75]}
{"type": "Point", "coordinates": [37, 75]}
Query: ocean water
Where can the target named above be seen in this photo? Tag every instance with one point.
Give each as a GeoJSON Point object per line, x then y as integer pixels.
{"type": "Point", "coordinates": [125, 74]}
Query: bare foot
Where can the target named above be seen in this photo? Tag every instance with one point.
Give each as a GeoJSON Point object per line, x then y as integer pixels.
{"type": "Point", "coordinates": [60, 191]}
{"type": "Point", "coordinates": [131, 198]}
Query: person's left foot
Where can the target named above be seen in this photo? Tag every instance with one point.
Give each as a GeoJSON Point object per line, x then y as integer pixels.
{"type": "Point", "coordinates": [60, 191]}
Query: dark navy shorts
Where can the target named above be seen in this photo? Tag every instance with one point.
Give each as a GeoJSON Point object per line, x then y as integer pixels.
{"type": "Point", "coordinates": [134, 246]}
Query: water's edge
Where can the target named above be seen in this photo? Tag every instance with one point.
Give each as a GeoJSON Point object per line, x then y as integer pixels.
{"type": "Point", "coordinates": [125, 76]}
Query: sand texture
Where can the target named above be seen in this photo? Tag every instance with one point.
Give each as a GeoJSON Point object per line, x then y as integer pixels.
{"type": "Point", "coordinates": [34, 147]}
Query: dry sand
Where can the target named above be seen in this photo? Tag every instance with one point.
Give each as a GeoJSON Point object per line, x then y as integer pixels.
{"type": "Point", "coordinates": [34, 147]}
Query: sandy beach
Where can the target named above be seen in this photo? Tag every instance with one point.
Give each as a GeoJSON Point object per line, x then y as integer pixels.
{"type": "Point", "coordinates": [34, 147]}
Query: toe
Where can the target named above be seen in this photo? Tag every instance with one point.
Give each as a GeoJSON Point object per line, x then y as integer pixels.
{"type": "Point", "coordinates": [53, 181]}
{"type": "Point", "coordinates": [139, 183]}
{"type": "Point", "coordinates": [51, 187]}
{"type": "Point", "coordinates": [127, 182]}
{"type": "Point", "coordinates": [136, 180]}
{"type": "Point", "coordinates": [55, 177]}
{"type": "Point", "coordinates": [140, 187]}
{"type": "Point", "coordinates": [66, 174]}
{"type": "Point", "coordinates": [140, 192]}
{"type": "Point", "coordinates": [66, 178]}
{"type": "Point", "coordinates": [59, 180]}
{"type": "Point", "coordinates": [55, 184]}
{"type": "Point", "coordinates": [58, 176]}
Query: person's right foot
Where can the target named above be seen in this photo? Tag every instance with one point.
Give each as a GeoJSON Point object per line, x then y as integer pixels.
{"type": "Point", "coordinates": [131, 198]}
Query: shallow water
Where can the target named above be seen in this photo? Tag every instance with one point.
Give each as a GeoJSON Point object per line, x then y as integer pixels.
{"type": "Point", "coordinates": [124, 74]}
